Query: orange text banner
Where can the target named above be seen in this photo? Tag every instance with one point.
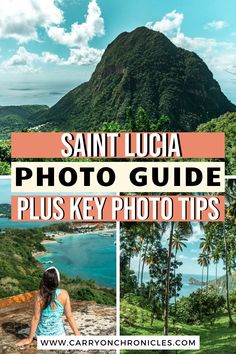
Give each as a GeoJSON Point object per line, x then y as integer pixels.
{"type": "Point", "coordinates": [118, 208]}
{"type": "Point", "coordinates": [117, 145]}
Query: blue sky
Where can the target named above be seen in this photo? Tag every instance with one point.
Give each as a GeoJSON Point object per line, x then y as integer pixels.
{"type": "Point", "coordinates": [49, 47]}
{"type": "Point", "coordinates": [188, 256]}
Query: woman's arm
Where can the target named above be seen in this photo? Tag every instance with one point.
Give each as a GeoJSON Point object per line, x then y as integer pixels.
{"type": "Point", "coordinates": [70, 317]}
{"type": "Point", "coordinates": [34, 323]}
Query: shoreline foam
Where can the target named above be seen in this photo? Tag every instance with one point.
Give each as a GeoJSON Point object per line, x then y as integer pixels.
{"type": "Point", "coordinates": [65, 235]}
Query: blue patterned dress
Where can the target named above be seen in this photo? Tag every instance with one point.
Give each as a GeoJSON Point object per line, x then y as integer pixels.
{"type": "Point", "coordinates": [51, 322]}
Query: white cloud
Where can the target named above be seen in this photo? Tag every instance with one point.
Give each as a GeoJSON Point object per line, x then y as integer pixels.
{"type": "Point", "coordinates": [170, 23]}
{"type": "Point", "coordinates": [20, 19]}
{"type": "Point", "coordinates": [24, 61]}
{"type": "Point", "coordinates": [84, 56]}
{"type": "Point", "coordinates": [48, 57]}
{"type": "Point", "coordinates": [46, 14]}
{"type": "Point", "coordinates": [225, 61]}
{"type": "Point", "coordinates": [219, 55]}
{"type": "Point", "coordinates": [181, 40]}
{"type": "Point", "coordinates": [181, 256]}
{"type": "Point", "coordinates": [21, 61]}
{"type": "Point", "coordinates": [80, 34]}
{"type": "Point", "coordinates": [194, 238]}
{"type": "Point", "coordinates": [216, 25]}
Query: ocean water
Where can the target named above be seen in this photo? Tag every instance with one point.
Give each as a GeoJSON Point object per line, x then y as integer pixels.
{"type": "Point", "coordinates": [187, 288]}
{"type": "Point", "coordinates": [6, 223]}
{"type": "Point", "coordinates": [89, 256]}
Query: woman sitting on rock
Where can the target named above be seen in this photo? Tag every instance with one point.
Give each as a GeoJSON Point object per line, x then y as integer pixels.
{"type": "Point", "coordinates": [49, 306]}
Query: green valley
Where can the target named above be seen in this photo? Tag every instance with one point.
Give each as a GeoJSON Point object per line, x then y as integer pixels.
{"type": "Point", "coordinates": [17, 118]}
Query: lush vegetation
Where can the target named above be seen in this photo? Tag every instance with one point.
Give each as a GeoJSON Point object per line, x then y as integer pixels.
{"type": "Point", "coordinates": [5, 157]}
{"type": "Point", "coordinates": [216, 338]}
{"type": "Point", "coordinates": [21, 272]}
{"type": "Point", "coordinates": [16, 118]}
{"type": "Point", "coordinates": [167, 87]}
{"type": "Point", "coordinates": [142, 68]}
{"type": "Point", "coordinates": [226, 124]}
{"type": "Point", "coordinates": [201, 306]}
{"type": "Point", "coordinates": [154, 307]}
{"type": "Point", "coordinates": [5, 210]}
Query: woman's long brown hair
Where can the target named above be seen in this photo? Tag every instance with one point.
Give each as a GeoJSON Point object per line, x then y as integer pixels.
{"type": "Point", "coordinates": [48, 286]}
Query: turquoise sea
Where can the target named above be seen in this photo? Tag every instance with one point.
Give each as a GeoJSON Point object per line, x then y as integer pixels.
{"type": "Point", "coordinates": [90, 256]}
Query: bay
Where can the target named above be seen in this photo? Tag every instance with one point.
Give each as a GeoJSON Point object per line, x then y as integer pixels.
{"type": "Point", "coordinates": [89, 256]}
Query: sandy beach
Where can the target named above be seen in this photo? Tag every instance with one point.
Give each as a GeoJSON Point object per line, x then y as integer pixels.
{"type": "Point", "coordinates": [61, 235]}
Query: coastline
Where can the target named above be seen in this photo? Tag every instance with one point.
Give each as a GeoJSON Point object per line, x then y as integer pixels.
{"type": "Point", "coordinates": [41, 254]}
{"type": "Point", "coordinates": [83, 267]}
{"type": "Point", "coordinates": [60, 235]}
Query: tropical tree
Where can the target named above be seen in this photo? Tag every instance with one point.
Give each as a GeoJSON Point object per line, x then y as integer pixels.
{"type": "Point", "coordinates": [185, 228]}
{"type": "Point", "coordinates": [178, 244]}
{"type": "Point", "coordinates": [142, 121]}
{"type": "Point", "coordinates": [203, 261]}
{"type": "Point", "coordinates": [223, 236]}
{"type": "Point", "coordinates": [130, 117]}
{"type": "Point", "coordinates": [206, 246]}
{"type": "Point", "coordinates": [215, 256]}
{"type": "Point", "coordinates": [156, 260]}
{"type": "Point", "coordinates": [128, 242]}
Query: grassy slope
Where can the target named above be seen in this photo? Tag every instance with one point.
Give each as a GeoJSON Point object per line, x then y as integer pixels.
{"type": "Point", "coordinates": [215, 339]}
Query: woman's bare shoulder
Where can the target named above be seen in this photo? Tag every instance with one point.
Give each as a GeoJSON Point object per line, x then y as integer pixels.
{"type": "Point", "coordinates": [64, 293]}
{"type": "Point", "coordinates": [38, 298]}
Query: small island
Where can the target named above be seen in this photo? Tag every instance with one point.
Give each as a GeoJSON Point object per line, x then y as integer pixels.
{"type": "Point", "coordinates": [193, 281]}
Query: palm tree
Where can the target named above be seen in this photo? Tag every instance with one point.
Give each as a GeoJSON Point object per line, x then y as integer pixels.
{"type": "Point", "coordinates": [215, 255]}
{"type": "Point", "coordinates": [203, 261]}
{"type": "Point", "coordinates": [224, 238]}
{"type": "Point", "coordinates": [151, 232]}
{"type": "Point", "coordinates": [185, 228]}
{"type": "Point", "coordinates": [206, 246]}
{"type": "Point", "coordinates": [145, 236]}
{"type": "Point", "coordinates": [231, 216]}
{"type": "Point", "coordinates": [178, 244]}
